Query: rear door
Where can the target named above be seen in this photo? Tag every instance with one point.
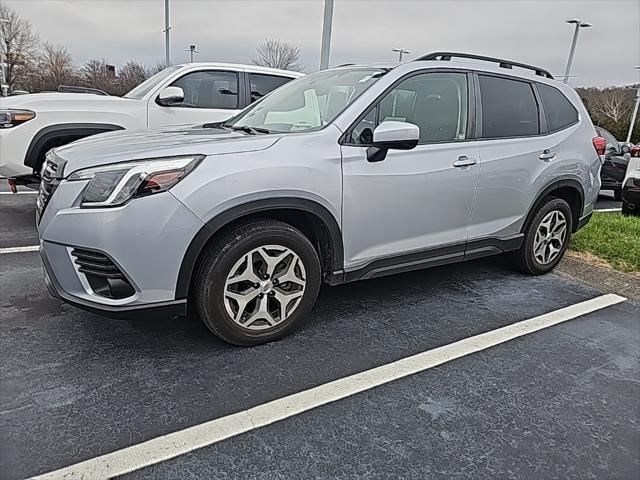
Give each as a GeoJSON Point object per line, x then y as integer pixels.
{"type": "Point", "coordinates": [209, 96]}
{"type": "Point", "coordinates": [518, 154]}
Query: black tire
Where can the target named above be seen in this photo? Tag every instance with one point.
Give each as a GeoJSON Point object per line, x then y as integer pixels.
{"type": "Point", "coordinates": [617, 195]}
{"type": "Point", "coordinates": [524, 258]}
{"type": "Point", "coordinates": [217, 263]}
{"type": "Point", "coordinates": [625, 209]}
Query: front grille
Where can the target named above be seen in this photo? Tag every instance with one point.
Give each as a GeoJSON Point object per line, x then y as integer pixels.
{"type": "Point", "coordinates": [49, 181]}
{"type": "Point", "coordinates": [104, 276]}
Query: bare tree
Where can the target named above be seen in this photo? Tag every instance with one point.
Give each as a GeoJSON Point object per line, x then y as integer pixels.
{"type": "Point", "coordinates": [612, 103]}
{"type": "Point", "coordinates": [95, 74]}
{"type": "Point", "coordinates": [55, 67]}
{"type": "Point", "coordinates": [131, 75]}
{"type": "Point", "coordinates": [18, 45]}
{"type": "Point", "coordinates": [278, 54]}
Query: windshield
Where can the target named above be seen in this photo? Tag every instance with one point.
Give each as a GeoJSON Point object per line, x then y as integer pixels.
{"type": "Point", "coordinates": [308, 103]}
{"type": "Point", "coordinates": [144, 88]}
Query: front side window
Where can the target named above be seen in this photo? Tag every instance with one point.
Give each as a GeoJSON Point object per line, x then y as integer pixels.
{"type": "Point", "coordinates": [509, 108]}
{"type": "Point", "coordinates": [209, 89]}
{"type": "Point", "coordinates": [307, 103]}
{"type": "Point", "coordinates": [558, 109]}
{"type": "Point", "coordinates": [263, 84]}
{"type": "Point", "coordinates": [436, 102]}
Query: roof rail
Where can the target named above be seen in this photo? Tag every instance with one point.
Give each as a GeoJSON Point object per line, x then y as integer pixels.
{"type": "Point", "coordinates": [446, 56]}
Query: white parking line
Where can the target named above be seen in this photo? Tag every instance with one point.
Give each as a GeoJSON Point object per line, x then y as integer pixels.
{"type": "Point", "coordinates": [178, 443]}
{"type": "Point", "coordinates": [30, 248]}
{"type": "Point", "coordinates": [19, 193]}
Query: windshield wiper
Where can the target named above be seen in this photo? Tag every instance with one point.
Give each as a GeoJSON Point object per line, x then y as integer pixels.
{"type": "Point", "coordinates": [248, 129]}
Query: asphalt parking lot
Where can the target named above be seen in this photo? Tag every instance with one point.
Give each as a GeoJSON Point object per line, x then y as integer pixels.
{"type": "Point", "coordinates": [558, 403]}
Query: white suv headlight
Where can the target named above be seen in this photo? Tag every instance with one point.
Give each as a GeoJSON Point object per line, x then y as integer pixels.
{"type": "Point", "coordinates": [115, 184]}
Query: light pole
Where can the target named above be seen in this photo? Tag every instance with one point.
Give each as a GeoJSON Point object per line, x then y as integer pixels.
{"type": "Point", "coordinates": [326, 34]}
{"type": "Point", "coordinates": [579, 24]}
{"type": "Point", "coordinates": [191, 50]}
{"type": "Point", "coordinates": [634, 114]}
{"type": "Point", "coordinates": [167, 55]}
{"type": "Point", "coordinates": [400, 51]}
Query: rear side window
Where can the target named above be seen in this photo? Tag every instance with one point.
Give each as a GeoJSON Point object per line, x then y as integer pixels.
{"type": "Point", "coordinates": [509, 108]}
{"type": "Point", "coordinates": [558, 109]}
{"type": "Point", "coordinates": [263, 84]}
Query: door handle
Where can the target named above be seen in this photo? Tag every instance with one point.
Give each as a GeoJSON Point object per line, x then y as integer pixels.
{"type": "Point", "coordinates": [464, 161]}
{"type": "Point", "coordinates": [547, 155]}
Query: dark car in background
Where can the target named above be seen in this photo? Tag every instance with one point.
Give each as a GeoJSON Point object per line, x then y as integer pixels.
{"type": "Point", "coordinates": [615, 163]}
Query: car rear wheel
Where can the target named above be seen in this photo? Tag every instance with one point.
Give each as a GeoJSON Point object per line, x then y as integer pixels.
{"type": "Point", "coordinates": [546, 238]}
{"type": "Point", "coordinates": [258, 283]}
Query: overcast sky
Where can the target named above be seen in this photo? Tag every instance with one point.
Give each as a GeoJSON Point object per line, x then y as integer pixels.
{"type": "Point", "coordinates": [363, 30]}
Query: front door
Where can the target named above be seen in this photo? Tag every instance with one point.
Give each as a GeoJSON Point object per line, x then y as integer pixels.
{"type": "Point", "coordinates": [209, 96]}
{"type": "Point", "coordinates": [417, 200]}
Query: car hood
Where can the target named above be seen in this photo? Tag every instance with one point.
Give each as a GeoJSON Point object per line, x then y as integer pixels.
{"type": "Point", "coordinates": [127, 145]}
{"type": "Point", "coordinates": [56, 101]}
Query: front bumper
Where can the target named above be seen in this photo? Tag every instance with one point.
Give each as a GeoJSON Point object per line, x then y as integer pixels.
{"type": "Point", "coordinates": [165, 309]}
{"type": "Point", "coordinates": [146, 239]}
{"type": "Point", "coordinates": [14, 143]}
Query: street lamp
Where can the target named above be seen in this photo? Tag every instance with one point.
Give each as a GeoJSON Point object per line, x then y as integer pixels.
{"type": "Point", "coordinates": [400, 52]}
{"type": "Point", "coordinates": [579, 24]}
{"type": "Point", "coordinates": [191, 50]}
{"type": "Point", "coordinates": [167, 55]}
{"type": "Point", "coordinates": [635, 112]}
{"type": "Point", "coordinates": [327, 21]}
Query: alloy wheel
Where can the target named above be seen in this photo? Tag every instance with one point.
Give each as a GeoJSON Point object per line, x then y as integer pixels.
{"type": "Point", "coordinates": [264, 287]}
{"type": "Point", "coordinates": [550, 237]}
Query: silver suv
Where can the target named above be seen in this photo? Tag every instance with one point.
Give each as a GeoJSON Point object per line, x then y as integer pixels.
{"type": "Point", "coordinates": [345, 174]}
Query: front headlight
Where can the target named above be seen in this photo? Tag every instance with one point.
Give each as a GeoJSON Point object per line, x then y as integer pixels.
{"type": "Point", "coordinates": [12, 117]}
{"type": "Point", "coordinates": [115, 184]}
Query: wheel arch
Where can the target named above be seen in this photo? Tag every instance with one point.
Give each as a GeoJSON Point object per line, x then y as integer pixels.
{"type": "Point", "coordinates": [312, 218]}
{"type": "Point", "coordinates": [48, 137]}
{"type": "Point", "coordinates": [569, 190]}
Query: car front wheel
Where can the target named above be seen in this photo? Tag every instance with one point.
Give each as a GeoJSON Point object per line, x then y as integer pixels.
{"type": "Point", "coordinates": [546, 238]}
{"type": "Point", "coordinates": [258, 283]}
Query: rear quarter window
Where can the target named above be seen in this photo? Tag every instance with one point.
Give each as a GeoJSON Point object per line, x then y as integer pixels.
{"type": "Point", "coordinates": [559, 111]}
{"type": "Point", "coordinates": [509, 108]}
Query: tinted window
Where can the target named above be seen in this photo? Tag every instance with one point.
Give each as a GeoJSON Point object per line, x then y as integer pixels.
{"type": "Point", "coordinates": [509, 108]}
{"type": "Point", "coordinates": [263, 84]}
{"type": "Point", "coordinates": [435, 102]}
{"type": "Point", "coordinates": [209, 89]}
{"type": "Point", "coordinates": [558, 110]}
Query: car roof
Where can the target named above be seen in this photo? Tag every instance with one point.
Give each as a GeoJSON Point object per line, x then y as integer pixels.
{"type": "Point", "coordinates": [243, 67]}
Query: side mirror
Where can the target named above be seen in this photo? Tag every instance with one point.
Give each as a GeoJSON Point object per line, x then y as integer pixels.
{"type": "Point", "coordinates": [392, 135]}
{"type": "Point", "coordinates": [170, 96]}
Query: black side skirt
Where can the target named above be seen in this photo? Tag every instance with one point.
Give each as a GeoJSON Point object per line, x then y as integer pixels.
{"type": "Point", "coordinates": [434, 257]}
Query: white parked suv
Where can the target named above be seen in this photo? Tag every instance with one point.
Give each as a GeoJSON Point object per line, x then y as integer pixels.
{"type": "Point", "coordinates": [31, 125]}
